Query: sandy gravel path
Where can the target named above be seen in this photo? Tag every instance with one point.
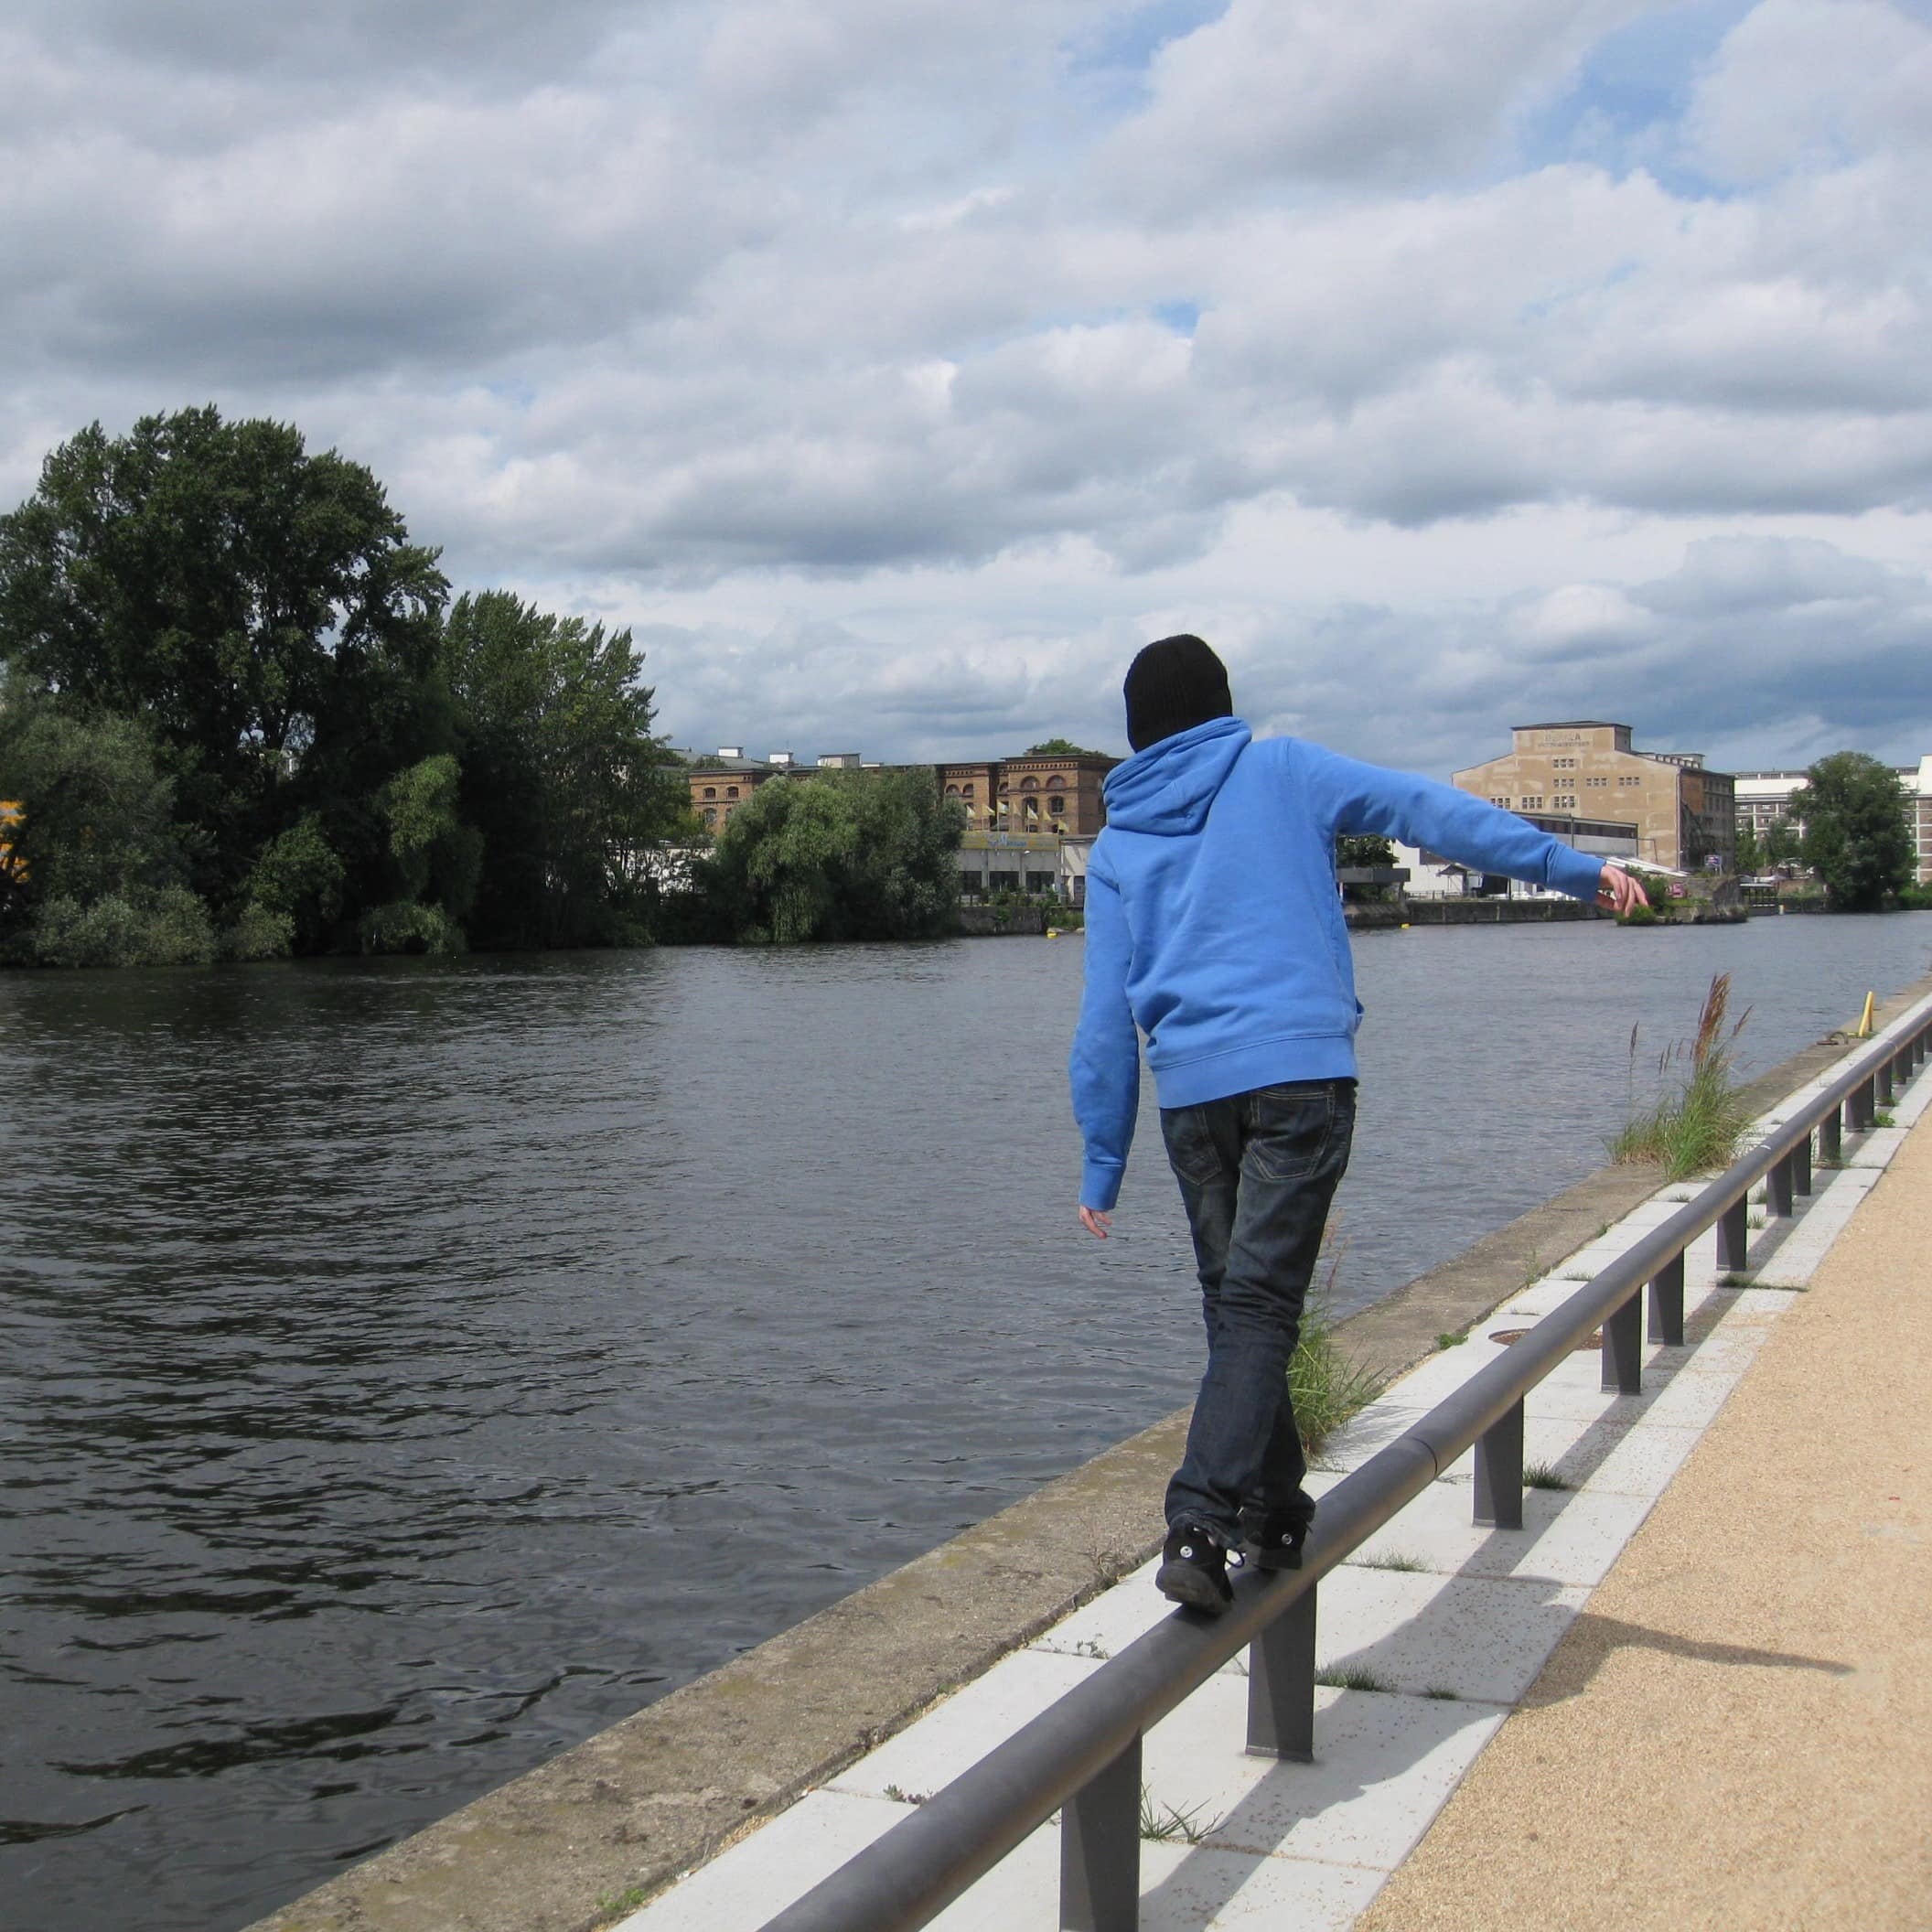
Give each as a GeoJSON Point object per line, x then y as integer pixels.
{"type": "Point", "coordinates": [1737, 1732]}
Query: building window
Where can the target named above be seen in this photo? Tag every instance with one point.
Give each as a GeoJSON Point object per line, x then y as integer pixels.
{"type": "Point", "coordinates": [1029, 784]}
{"type": "Point", "coordinates": [711, 792]}
{"type": "Point", "coordinates": [952, 792]}
{"type": "Point", "coordinates": [1055, 806]}
{"type": "Point", "coordinates": [711, 816]}
{"type": "Point", "coordinates": [965, 792]}
{"type": "Point", "coordinates": [730, 791]}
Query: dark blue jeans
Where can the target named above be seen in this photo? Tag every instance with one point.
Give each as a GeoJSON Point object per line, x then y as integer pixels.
{"type": "Point", "coordinates": [1257, 1172]}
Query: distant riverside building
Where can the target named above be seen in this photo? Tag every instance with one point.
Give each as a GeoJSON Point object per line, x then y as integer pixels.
{"type": "Point", "coordinates": [1030, 820]}
{"type": "Point", "coordinates": [1763, 799]}
{"type": "Point", "coordinates": [722, 781]}
{"type": "Point", "coordinates": [1432, 876]}
{"type": "Point", "coordinates": [1563, 776]}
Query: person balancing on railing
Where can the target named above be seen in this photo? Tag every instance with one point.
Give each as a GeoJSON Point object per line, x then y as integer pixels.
{"type": "Point", "coordinates": [1215, 930]}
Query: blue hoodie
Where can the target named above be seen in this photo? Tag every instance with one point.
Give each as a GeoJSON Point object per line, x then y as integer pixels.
{"type": "Point", "coordinates": [1214, 924]}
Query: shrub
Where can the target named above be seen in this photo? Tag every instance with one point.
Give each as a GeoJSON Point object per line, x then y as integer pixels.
{"type": "Point", "coordinates": [164, 927]}
{"type": "Point", "coordinates": [404, 925]}
{"type": "Point", "coordinates": [259, 934]}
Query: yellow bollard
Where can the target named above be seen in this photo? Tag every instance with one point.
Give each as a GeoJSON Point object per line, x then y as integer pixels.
{"type": "Point", "coordinates": [1863, 1031]}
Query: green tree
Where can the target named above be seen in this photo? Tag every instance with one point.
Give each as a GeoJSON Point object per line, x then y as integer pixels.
{"type": "Point", "coordinates": [560, 773]}
{"type": "Point", "coordinates": [1059, 748]}
{"type": "Point", "coordinates": [96, 872]}
{"type": "Point", "coordinates": [1750, 854]}
{"type": "Point", "coordinates": [1783, 842]}
{"type": "Point", "coordinates": [259, 610]}
{"type": "Point", "coordinates": [1363, 849]}
{"type": "Point", "coordinates": [1857, 838]}
{"type": "Point", "coordinates": [843, 856]}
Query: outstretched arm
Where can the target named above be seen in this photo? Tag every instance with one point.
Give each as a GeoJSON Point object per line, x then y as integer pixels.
{"type": "Point", "coordinates": [1105, 1066]}
{"type": "Point", "coordinates": [1471, 831]}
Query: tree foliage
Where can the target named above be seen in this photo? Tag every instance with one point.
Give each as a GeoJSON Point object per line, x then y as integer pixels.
{"type": "Point", "coordinates": [841, 855]}
{"type": "Point", "coordinates": [1856, 838]}
{"type": "Point", "coordinates": [228, 675]}
{"type": "Point", "coordinates": [1059, 748]}
{"type": "Point", "coordinates": [560, 773]}
{"type": "Point", "coordinates": [1364, 849]}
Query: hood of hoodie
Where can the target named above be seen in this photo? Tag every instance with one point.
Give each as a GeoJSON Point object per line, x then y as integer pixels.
{"type": "Point", "coordinates": [1167, 788]}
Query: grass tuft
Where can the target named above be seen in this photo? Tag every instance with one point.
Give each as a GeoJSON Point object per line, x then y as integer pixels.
{"type": "Point", "coordinates": [1178, 1823]}
{"type": "Point", "coordinates": [1395, 1560]}
{"type": "Point", "coordinates": [619, 1904]}
{"type": "Point", "coordinates": [1326, 1386]}
{"type": "Point", "coordinates": [1353, 1678]}
{"type": "Point", "coordinates": [1543, 1476]}
{"type": "Point", "coordinates": [1698, 1123]}
{"type": "Point", "coordinates": [1444, 1696]}
{"type": "Point", "coordinates": [1452, 1338]}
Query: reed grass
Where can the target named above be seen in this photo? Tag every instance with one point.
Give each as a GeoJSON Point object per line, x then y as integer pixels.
{"type": "Point", "coordinates": [1699, 1121]}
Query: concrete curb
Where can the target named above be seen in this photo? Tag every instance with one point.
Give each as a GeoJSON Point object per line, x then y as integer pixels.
{"type": "Point", "coordinates": [590, 1835]}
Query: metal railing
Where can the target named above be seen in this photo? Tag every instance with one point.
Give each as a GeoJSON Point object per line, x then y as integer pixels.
{"type": "Point", "coordinates": [1082, 1756]}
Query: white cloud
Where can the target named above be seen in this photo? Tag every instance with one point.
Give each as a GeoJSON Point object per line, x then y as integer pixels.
{"type": "Point", "coordinates": [897, 376]}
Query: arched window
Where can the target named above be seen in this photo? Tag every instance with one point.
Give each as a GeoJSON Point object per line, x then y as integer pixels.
{"type": "Point", "coordinates": [1056, 783]}
{"type": "Point", "coordinates": [730, 791]}
{"type": "Point", "coordinates": [966, 791]}
{"type": "Point", "coordinates": [1055, 806]}
{"type": "Point", "coordinates": [711, 792]}
{"type": "Point", "coordinates": [710, 815]}
{"type": "Point", "coordinates": [952, 792]}
{"type": "Point", "coordinates": [1029, 784]}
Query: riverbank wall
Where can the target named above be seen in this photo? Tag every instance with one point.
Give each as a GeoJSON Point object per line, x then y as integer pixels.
{"type": "Point", "coordinates": [586, 1836]}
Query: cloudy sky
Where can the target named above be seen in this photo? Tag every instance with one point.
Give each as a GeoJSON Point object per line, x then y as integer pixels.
{"type": "Point", "coordinates": [894, 368]}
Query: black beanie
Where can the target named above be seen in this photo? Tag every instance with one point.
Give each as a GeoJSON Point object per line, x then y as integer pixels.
{"type": "Point", "coordinates": [1171, 686]}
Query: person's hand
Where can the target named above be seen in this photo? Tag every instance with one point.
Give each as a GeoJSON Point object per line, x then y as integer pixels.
{"type": "Point", "coordinates": [1095, 1222]}
{"type": "Point", "coordinates": [1619, 891]}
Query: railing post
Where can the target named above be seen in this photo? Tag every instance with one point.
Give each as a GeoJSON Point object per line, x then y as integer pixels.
{"type": "Point", "coordinates": [1802, 1166]}
{"type": "Point", "coordinates": [1733, 1236]}
{"type": "Point", "coordinates": [1500, 1471]}
{"type": "Point", "coordinates": [1882, 1080]}
{"type": "Point", "coordinates": [1831, 1136]}
{"type": "Point", "coordinates": [1860, 1109]}
{"type": "Point", "coordinates": [1667, 1305]}
{"type": "Point", "coordinates": [1778, 1188]}
{"type": "Point", "coordinates": [1100, 1849]}
{"type": "Point", "coordinates": [1280, 1685]}
{"type": "Point", "coordinates": [1624, 1347]}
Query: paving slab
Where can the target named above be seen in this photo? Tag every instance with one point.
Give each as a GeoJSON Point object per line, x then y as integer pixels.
{"type": "Point", "coordinates": [1568, 1536]}
{"type": "Point", "coordinates": [1476, 1638]}
{"type": "Point", "coordinates": [1383, 1765]}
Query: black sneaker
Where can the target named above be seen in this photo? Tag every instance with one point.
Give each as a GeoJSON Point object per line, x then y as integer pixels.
{"type": "Point", "coordinates": [1194, 1570]}
{"type": "Point", "coordinates": [1273, 1541]}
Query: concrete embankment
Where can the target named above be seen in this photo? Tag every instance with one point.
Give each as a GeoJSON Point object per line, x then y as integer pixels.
{"type": "Point", "coordinates": [622, 1814]}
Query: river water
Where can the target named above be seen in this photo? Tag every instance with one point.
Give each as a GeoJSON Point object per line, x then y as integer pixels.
{"type": "Point", "coordinates": [407, 1369]}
